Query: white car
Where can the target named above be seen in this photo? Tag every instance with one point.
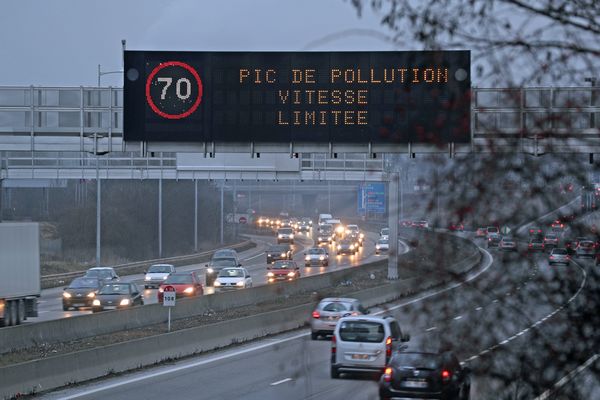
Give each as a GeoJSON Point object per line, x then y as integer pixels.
{"type": "Point", "coordinates": [382, 245]}
{"type": "Point", "coordinates": [232, 279]}
{"type": "Point", "coordinates": [316, 256]}
{"type": "Point", "coordinates": [156, 274]}
{"type": "Point", "coordinates": [384, 233]}
{"type": "Point", "coordinates": [364, 343]}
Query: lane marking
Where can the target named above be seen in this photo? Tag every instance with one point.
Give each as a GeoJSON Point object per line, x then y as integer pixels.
{"type": "Point", "coordinates": [568, 378]}
{"type": "Point", "coordinates": [479, 309]}
{"type": "Point", "coordinates": [457, 318]}
{"type": "Point", "coordinates": [431, 329]}
{"type": "Point", "coordinates": [495, 301]}
{"type": "Point", "coordinates": [281, 381]}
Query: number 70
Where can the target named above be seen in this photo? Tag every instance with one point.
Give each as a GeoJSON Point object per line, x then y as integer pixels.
{"type": "Point", "coordinates": [178, 86]}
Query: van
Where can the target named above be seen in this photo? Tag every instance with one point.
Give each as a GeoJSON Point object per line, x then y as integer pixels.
{"type": "Point", "coordinates": [323, 218]}
{"type": "Point", "coordinates": [364, 343]}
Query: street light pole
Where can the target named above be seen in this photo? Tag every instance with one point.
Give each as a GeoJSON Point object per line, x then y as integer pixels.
{"type": "Point", "coordinates": [196, 215]}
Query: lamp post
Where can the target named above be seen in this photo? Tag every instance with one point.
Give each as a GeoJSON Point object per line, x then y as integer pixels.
{"type": "Point", "coordinates": [101, 73]}
{"type": "Point", "coordinates": [97, 153]}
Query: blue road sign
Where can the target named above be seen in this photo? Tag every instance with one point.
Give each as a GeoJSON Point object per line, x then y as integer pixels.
{"type": "Point", "coordinates": [371, 198]}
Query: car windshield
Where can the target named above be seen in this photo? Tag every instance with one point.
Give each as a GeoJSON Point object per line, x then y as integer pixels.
{"type": "Point", "coordinates": [286, 231]}
{"type": "Point", "coordinates": [278, 249]}
{"type": "Point", "coordinates": [336, 306]}
{"type": "Point", "coordinates": [550, 236]}
{"type": "Point", "coordinates": [179, 279]}
{"type": "Point", "coordinates": [231, 273]}
{"type": "Point", "coordinates": [316, 251]}
{"type": "Point", "coordinates": [223, 262]}
{"type": "Point", "coordinates": [159, 269]}
{"type": "Point", "coordinates": [385, 231]}
{"type": "Point", "coordinates": [361, 331]}
{"type": "Point", "coordinates": [417, 360]}
{"type": "Point", "coordinates": [559, 251]}
{"type": "Point", "coordinates": [224, 253]}
{"type": "Point", "coordinates": [80, 283]}
{"type": "Point", "coordinates": [283, 265]}
{"type": "Point", "coordinates": [119, 288]}
{"type": "Point", "coordinates": [383, 241]}
{"type": "Point", "coordinates": [586, 244]}
{"type": "Point", "coordinates": [99, 273]}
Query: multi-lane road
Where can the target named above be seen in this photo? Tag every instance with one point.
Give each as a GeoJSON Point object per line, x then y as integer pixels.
{"type": "Point", "coordinates": [510, 321]}
{"type": "Point", "coordinates": [50, 303]}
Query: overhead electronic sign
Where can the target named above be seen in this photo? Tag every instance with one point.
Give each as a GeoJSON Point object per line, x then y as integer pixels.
{"type": "Point", "coordinates": [298, 97]}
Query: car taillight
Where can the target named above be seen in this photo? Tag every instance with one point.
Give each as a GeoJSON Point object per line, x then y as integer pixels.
{"type": "Point", "coordinates": [446, 375]}
{"type": "Point", "coordinates": [316, 315]}
{"type": "Point", "coordinates": [387, 374]}
{"type": "Point", "coordinates": [333, 345]}
{"type": "Point", "coordinates": [388, 348]}
{"type": "Point", "coordinates": [552, 257]}
{"type": "Point", "coordinates": [530, 245]}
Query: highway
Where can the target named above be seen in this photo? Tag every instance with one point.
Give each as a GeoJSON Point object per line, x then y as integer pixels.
{"type": "Point", "coordinates": [50, 303]}
{"type": "Point", "coordinates": [509, 321]}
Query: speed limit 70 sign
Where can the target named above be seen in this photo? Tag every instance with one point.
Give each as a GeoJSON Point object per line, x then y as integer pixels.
{"type": "Point", "coordinates": [174, 90]}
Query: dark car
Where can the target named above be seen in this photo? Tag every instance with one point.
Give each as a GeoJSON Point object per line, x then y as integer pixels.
{"type": "Point", "coordinates": [81, 292]}
{"type": "Point", "coordinates": [493, 240]}
{"type": "Point", "coordinates": [536, 244]}
{"type": "Point", "coordinates": [117, 295]}
{"type": "Point", "coordinates": [186, 284]}
{"type": "Point", "coordinates": [279, 252]}
{"type": "Point", "coordinates": [216, 265]}
{"type": "Point", "coordinates": [283, 271]}
{"type": "Point", "coordinates": [456, 226]}
{"type": "Point", "coordinates": [416, 374]}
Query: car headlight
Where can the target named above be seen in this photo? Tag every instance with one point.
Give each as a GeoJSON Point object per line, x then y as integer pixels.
{"type": "Point", "coordinates": [91, 295]}
{"type": "Point", "coordinates": [351, 247]}
{"type": "Point", "coordinates": [362, 235]}
{"type": "Point", "coordinates": [321, 258]}
{"type": "Point", "coordinates": [160, 290]}
{"type": "Point", "coordinates": [340, 229]}
{"type": "Point", "coordinates": [292, 236]}
{"type": "Point", "coordinates": [66, 295]}
{"type": "Point", "coordinates": [377, 246]}
{"type": "Point", "coordinates": [240, 283]}
{"type": "Point", "coordinates": [339, 247]}
{"type": "Point", "coordinates": [189, 290]}
{"type": "Point", "coordinates": [291, 274]}
{"type": "Point", "coordinates": [217, 283]}
{"type": "Point", "coordinates": [96, 302]}
{"type": "Point", "coordinates": [307, 258]}
{"type": "Point", "coordinates": [280, 236]}
{"type": "Point", "coordinates": [268, 255]}
{"type": "Point", "coordinates": [270, 274]}
{"type": "Point", "coordinates": [282, 254]}
{"type": "Point", "coordinates": [147, 278]}
{"type": "Point", "coordinates": [124, 302]}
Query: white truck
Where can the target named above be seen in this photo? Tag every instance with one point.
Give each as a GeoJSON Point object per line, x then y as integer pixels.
{"type": "Point", "coordinates": [19, 271]}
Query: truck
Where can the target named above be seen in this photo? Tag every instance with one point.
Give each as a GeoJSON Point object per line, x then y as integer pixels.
{"type": "Point", "coordinates": [19, 271]}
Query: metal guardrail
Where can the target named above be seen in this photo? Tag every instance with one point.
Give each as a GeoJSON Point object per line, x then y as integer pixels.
{"type": "Point", "coordinates": [177, 260]}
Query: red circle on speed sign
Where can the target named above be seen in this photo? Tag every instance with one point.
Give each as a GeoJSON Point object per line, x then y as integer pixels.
{"type": "Point", "coordinates": [169, 289]}
{"type": "Point", "coordinates": [152, 103]}
{"type": "Point", "coordinates": [243, 220]}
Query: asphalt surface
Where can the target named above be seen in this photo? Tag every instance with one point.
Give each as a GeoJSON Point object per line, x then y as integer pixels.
{"type": "Point", "coordinates": [511, 322]}
{"type": "Point", "coordinates": [50, 302]}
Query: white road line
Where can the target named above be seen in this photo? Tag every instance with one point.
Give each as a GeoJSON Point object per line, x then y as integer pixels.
{"type": "Point", "coordinates": [431, 329]}
{"type": "Point", "coordinates": [495, 301]}
{"type": "Point", "coordinates": [568, 377]}
{"type": "Point", "coordinates": [479, 309]}
{"type": "Point", "coordinates": [457, 318]}
{"type": "Point", "coordinates": [281, 381]}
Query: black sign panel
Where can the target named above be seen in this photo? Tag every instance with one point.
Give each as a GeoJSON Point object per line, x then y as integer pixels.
{"type": "Point", "coordinates": [309, 97]}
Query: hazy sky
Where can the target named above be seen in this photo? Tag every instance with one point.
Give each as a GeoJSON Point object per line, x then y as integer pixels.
{"type": "Point", "coordinates": [61, 42]}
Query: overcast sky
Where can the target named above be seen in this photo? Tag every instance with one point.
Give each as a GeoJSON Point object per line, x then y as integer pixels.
{"type": "Point", "coordinates": [61, 42]}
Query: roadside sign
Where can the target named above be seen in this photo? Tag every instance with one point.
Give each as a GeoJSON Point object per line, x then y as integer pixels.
{"type": "Point", "coordinates": [505, 230]}
{"type": "Point", "coordinates": [169, 296]}
{"type": "Point", "coordinates": [243, 220]}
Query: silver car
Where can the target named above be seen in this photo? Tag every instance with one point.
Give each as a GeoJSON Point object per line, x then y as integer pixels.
{"type": "Point", "coordinates": [507, 244]}
{"type": "Point", "coordinates": [586, 248]}
{"type": "Point", "coordinates": [559, 256]}
{"type": "Point", "coordinates": [329, 310]}
{"type": "Point", "coordinates": [316, 256]}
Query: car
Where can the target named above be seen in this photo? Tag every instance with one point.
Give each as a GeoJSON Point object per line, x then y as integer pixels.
{"type": "Point", "coordinates": [571, 246]}
{"type": "Point", "coordinates": [156, 274]}
{"type": "Point", "coordinates": [481, 232]}
{"type": "Point", "coordinates": [507, 244]}
{"type": "Point", "coordinates": [81, 292]}
{"type": "Point", "coordinates": [559, 256]}
{"type": "Point", "coordinates": [353, 233]}
{"type": "Point", "coordinates": [384, 233]}
{"type": "Point", "coordinates": [585, 248]}
{"type": "Point", "coordinates": [285, 235]}
{"type": "Point", "coordinates": [338, 228]}
{"type": "Point", "coordinates": [303, 226]}
{"type": "Point", "coordinates": [278, 252]}
{"type": "Point", "coordinates": [105, 274]}
{"type": "Point", "coordinates": [551, 239]}
{"type": "Point", "coordinates": [364, 343]}
{"type": "Point", "coordinates": [324, 234]}
{"type": "Point", "coordinates": [423, 373]}
{"type": "Point", "coordinates": [382, 246]}
{"type": "Point", "coordinates": [346, 246]}
{"type": "Point", "coordinates": [535, 231]}
{"type": "Point", "coordinates": [493, 240]}
{"type": "Point", "coordinates": [406, 224]}
{"type": "Point", "coordinates": [557, 226]}
{"type": "Point", "coordinates": [323, 218]}
{"type": "Point", "coordinates": [536, 244]}
{"type": "Point", "coordinates": [329, 310]}
{"type": "Point", "coordinates": [458, 226]}
{"type": "Point", "coordinates": [283, 271]}
{"type": "Point", "coordinates": [116, 295]}
{"type": "Point", "coordinates": [226, 253]}
{"type": "Point", "coordinates": [186, 284]}
{"type": "Point", "coordinates": [216, 265]}
{"type": "Point", "coordinates": [423, 224]}
{"type": "Point", "coordinates": [316, 256]}
{"type": "Point", "coordinates": [308, 221]}
{"type": "Point", "coordinates": [233, 279]}
{"type": "Point", "coordinates": [492, 230]}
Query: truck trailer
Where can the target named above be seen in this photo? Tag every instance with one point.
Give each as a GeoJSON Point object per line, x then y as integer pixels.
{"type": "Point", "coordinates": [19, 271]}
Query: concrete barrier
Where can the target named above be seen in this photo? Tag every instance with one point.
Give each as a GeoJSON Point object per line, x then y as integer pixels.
{"type": "Point", "coordinates": [53, 372]}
